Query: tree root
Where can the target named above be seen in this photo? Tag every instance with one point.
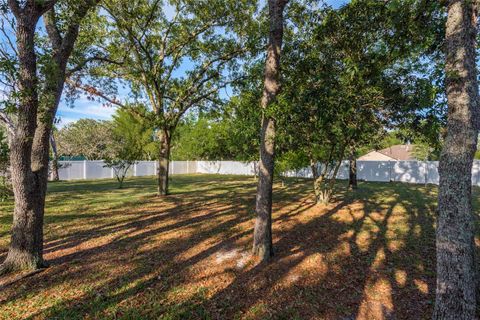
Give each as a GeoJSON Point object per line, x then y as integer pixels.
{"type": "Point", "coordinates": [19, 277]}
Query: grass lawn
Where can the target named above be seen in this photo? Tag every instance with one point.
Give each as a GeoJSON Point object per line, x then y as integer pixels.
{"type": "Point", "coordinates": [125, 254]}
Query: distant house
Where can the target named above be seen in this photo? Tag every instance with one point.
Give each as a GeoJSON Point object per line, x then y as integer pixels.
{"type": "Point", "coordinates": [393, 153]}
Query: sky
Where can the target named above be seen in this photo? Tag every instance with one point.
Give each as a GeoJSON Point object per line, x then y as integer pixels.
{"type": "Point", "coordinates": [84, 108]}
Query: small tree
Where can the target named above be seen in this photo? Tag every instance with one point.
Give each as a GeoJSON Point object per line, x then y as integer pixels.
{"type": "Point", "coordinates": [119, 166]}
{"type": "Point", "coordinates": [132, 138]}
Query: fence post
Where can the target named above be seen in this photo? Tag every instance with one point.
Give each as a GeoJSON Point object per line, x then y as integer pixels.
{"type": "Point", "coordinates": [112, 173]}
{"type": "Point", "coordinates": [154, 168]}
{"type": "Point", "coordinates": [85, 169]}
{"type": "Point", "coordinates": [134, 169]}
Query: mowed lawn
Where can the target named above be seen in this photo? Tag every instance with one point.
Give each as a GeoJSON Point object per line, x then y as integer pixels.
{"type": "Point", "coordinates": [125, 254]}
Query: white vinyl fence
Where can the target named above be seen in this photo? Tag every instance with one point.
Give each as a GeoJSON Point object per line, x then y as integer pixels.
{"type": "Point", "coordinates": [402, 171]}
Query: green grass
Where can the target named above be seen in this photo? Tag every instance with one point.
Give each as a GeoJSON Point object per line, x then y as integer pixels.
{"type": "Point", "coordinates": [126, 254]}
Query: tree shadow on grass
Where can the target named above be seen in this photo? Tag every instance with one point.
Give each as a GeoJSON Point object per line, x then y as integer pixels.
{"type": "Point", "coordinates": [365, 264]}
{"type": "Point", "coordinates": [368, 255]}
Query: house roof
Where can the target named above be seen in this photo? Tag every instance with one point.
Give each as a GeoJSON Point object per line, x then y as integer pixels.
{"type": "Point", "coordinates": [399, 152]}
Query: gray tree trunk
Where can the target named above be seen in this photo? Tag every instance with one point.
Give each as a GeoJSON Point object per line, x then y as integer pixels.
{"type": "Point", "coordinates": [262, 236]}
{"type": "Point", "coordinates": [456, 272]}
{"type": "Point", "coordinates": [26, 246]}
{"type": "Point", "coordinates": [163, 162]}
{"type": "Point", "coordinates": [54, 167]}
{"type": "Point", "coordinates": [352, 171]}
{"type": "Point", "coordinates": [29, 154]}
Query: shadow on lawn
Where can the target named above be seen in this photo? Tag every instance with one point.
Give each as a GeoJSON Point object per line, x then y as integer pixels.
{"type": "Point", "coordinates": [353, 283]}
{"type": "Point", "coordinates": [362, 257]}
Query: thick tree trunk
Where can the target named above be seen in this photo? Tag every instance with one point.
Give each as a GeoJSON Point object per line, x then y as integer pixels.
{"type": "Point", "coordinates": [54, 167]}
{"type": "Point", "coordinates": [352, 171]}
{"type": "Point", "coordinates": [456, 270]}
{"type": "Point", "coordinates": [29, 153]}
{"type": "Point", "coordinates": [26, 247]}
{"type": "Point", "coordinates": [163, 162]}
{"type": "Point", "coordinates": [262, 236]}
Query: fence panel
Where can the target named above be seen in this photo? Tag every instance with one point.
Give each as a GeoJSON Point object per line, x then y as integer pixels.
{"type": "Point", "coordinates": [145, 168]}
{"type": "Point", "coordinates": [97, 170]}
{"type": "Point", "coordinates": [432, 172]}
{"type": "Point", "coordinates": [409, 171]}
{"type": "Point", "coordinates": [226, 167]}
{"type": "Point", "coordinates": [180, 167]}
{"type": "Point", "coordinates": [71, 170]}
{"type": "Point", "coordinates": [374, 170]}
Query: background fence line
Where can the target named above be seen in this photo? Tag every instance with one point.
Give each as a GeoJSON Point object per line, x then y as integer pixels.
{"type": "Point", "coordinates": [401, 171]}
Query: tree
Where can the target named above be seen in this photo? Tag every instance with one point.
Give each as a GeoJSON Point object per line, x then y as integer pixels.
{"type": "Point", "coordinates": [456, 265]}
{"type": "Point", "coordinates": [230, 134]}
{"type": "Point", "coordinates": [153, 48]}
{"type": "Point", "coordinates": [27, 238]}
{"type": "Point", "coordinates": [350, 74]}
{"type": "Point", "coordinates": [262, 236]}
{"type": "Point", "coordinates": [29, 112]}
{"type": "Point", "coordinates": [132, 140]}
{"type": "Point", "coordinates": [88, 138]}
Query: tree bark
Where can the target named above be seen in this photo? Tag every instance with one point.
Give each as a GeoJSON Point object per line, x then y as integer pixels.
{"type": "Point", "coordinates": [26, 246]}
{"type": "Point", "coordinates": [324, 187]}
{"type": "Point", "coordinates": [352, 171]}
{"type": "Point", "coordinates": [262, 236]}
{"type": "Point", "coordinates": [317, 178]}
{"type": "Point", "coordinates": [163, 162]}
{"type": "Point", "coordinates": [455, 247]}
{"type": "Point", "coordinates": [29, 154]}
{"type": "Point", "coordinates": [54, 167]}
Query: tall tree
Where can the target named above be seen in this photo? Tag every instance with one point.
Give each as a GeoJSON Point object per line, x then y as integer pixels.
{"type": "Point", "coordinates": [262, 236]}
{"type": "Point", "coordinates": [456, 267]}
{"type": "Point", "coordinates": [154, 48]}
{"type": "Point", "coordinates": [27, 233]}
{"type": "Point", "coordinates": [30, 117]}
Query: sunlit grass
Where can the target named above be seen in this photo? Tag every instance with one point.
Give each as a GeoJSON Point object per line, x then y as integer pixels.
{"type": "Point", "coordinates": [126, 254]}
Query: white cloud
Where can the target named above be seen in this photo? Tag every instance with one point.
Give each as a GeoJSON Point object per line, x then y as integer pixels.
{"type": "Point", "coordinates": [92, 111]}
{"type": "Point", "coordinates": [84, 108]}
{"type": "Point", "coordinates": [64, 121]}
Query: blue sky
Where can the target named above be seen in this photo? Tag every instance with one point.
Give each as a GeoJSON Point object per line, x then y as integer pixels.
{"type": "Point", "coordinates": [84, 108]}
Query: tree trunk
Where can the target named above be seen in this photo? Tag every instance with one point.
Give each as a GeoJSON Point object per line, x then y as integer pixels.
{"type": "Point", "coordinates": [352, 171]}
{"type": "Point", "coordinates": [262, 236]}
{"type": "Point", "coordinates": [26, 247]}
{"type": "Point", "coordinates": [29, 154]}
{"type": "Point", "coordinates": [325, 187]}
{"type": "Point", "coordinates": [317, 179]}
{"type": "Point", "coordinates": [163, 162]}
{"type": "Point", "coordinates": [456, 270]}
{"type": "Point", "coordinates": [54, 167]}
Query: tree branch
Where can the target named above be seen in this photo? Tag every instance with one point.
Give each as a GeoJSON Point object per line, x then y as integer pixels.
{"type": "Point", "coordinates": [8, 122]}
{"type": "Point", "coordinates": [50, 20]}
{"type": "Point", "coordinates": [93, 91]}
